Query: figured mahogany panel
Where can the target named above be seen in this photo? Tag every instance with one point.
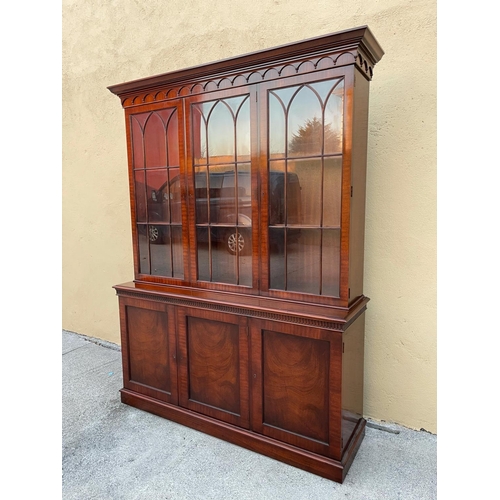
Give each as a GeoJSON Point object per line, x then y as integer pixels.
{"type": "Point", "coordinates": [148, 348]}
{"type": "Point", "coordinates": [148, 343]}
{"type": "Point", "coordinates": [214, 364]}
{"type": "Point", "coordinates": [295, 375]}
{"type": "Point", "coordinates": [213, 353]}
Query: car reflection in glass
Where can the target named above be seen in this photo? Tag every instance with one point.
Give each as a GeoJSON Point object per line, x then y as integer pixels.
{"type": "Point", "coordinates": [227, 215]}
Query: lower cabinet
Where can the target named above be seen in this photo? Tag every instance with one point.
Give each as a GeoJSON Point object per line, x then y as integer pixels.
{"type": "Point", "coordinates": [290, 391]}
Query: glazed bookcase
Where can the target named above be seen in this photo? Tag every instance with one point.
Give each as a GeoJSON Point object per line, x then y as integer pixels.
{"type": "Point", "coordinates": [245, 318]}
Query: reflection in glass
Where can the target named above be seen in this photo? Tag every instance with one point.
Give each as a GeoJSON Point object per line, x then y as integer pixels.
{"type": "Point", "coordinates": [175, 195]}
{"type": "Point", "coordinates": [225, 182]}
{"type": "Point", "coordinates": [277, 193]}
{"type": "Point", "coordinates": [201, 194]}
{"type": "Point", "coordinates": [307, 139]}
{"type": "Point", "coordinates": [223, 263]}
{"type": "Point", "coordinates": [244, 191]}
{"type": "Point", "coordinates": [157, 192]}
{"type": "Point", "coordinates": [305, 131]}
{"type": "Point", "coordinates": [305, 124]}
{"type": "Point", "coordinates": [324, 88]}
{"type": "Point", "coordinates": [308, 262]}
{"type": "Point", "coordinates": [334, 117]}
{"type": "Point", "coordinates": [285, 94]}
{"type": "Point", "coordinates": [331, 262]}
{"type": "Point", "coordinates": [277, 270]}
{"type": "Point", "coordinates": [137, 142]}
{"type": "Point", "coordinates": [244, 180]}
{"type": "Point", "coordinates": [304, 192]}
{"type": "Point", "coordinates": [160, 252]}
{"type": "Point", "coordinates": [140, 196]}
{"type": "Point", "coordinates": [332, 189]}
{"type": "Point", "coordinates": [243, 131]}
{"type": "Point", "coordinates": [235, 103]}
{"type": "Point", "coordinates": [203, 253]}
{"type": "Point", "coordinates": [177, 259]}
{"type": "Point", "coordinates": [220, 134]}
{"type": "Point", "coordinates": [222, 195]}
{"type": "Point", "coordinates": [199, 135]}
{"type": "Point", "coordinates": [223, 189]}
{"type": "Point", "coordinates": [314, 114]}
{"type": "Point", "coordinates": [142, 234]}
{"type": "Point", "coordinates": [276, 127]}
{"type": "Point", "coordinates": [157, 195]}
{"type": "Point", "coordinates": [244, 239]}
{"type": "Point", "coordinates": [155, 147]}
{"type": "Point", "coordinates": [303, 261]}
{"type": "Point", "coordinates": [221, 130]}
{"type": "Point", "coordinates": [173, 140]}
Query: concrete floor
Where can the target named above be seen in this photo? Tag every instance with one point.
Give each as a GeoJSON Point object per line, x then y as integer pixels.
{"type": "Point", "coordinates": [113, 451]}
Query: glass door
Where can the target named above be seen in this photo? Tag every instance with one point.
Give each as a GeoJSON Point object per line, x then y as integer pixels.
{"type": "Point", "coordinates": [155, 136]}
{"type": "Point", "coordinates": [222, 184]}
{"type": "Point", "coordinates": [304, 142]}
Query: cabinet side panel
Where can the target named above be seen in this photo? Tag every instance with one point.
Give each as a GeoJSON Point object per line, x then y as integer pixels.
{"type": "Point", "coordinates": [358, 183]}
{"type": "Point", "coordinates": [352, 378]}
{"type": "Point", "coordinates": [148, 348]}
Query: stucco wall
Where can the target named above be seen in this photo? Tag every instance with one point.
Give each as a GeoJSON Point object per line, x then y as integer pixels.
{"type": "Point", "coordinates": [108, 42]}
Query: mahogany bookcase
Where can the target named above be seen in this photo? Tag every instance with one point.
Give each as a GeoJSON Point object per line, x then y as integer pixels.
{"type": "Point", "coordinates": [245, 318]}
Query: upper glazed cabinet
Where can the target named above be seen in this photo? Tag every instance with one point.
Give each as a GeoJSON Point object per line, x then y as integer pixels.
{"type": "Point", "coordinates": [247, 175]}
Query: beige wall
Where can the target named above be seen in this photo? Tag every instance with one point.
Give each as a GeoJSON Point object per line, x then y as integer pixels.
{"type": "Point", "coordinates": [108, 42]}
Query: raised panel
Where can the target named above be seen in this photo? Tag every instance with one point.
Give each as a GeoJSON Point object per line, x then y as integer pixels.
{"type": "Point", "coordinates": [213, 368]}
{"type": "Point", "coordinates": [213, 364]}
{"type": "Point", "coordinates": [148, 341]}
{"type": "Point", "coordinates": [296, 385]}
{"type": "Point", "coordinates": [296, 372]}
{"type": "Point", "coordinates": [148, 347]}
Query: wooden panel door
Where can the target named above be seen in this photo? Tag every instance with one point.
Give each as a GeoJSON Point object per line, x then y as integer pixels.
{"type": "Point", "coordinates": [213, 365]}
{"type": "Point", "coordinates": [148, 347]}
{"type": "Point", "coordinates": [295, 373]}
